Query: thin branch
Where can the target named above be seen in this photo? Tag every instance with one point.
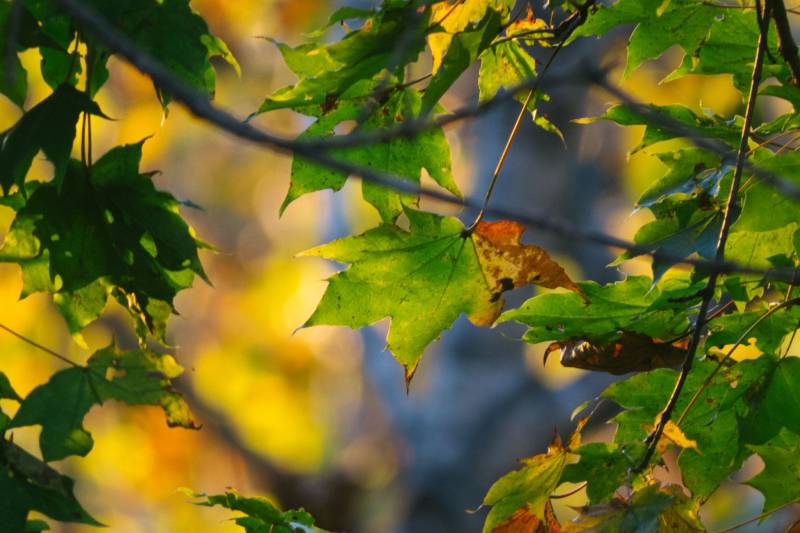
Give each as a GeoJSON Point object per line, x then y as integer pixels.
{"type": "Point", "coordinates": [727, 221]}
{"type": "Point", "coordinates": [755, 518]}
{"type": "Point", "coordinates": [198, 104]}
{"type": "Point", "coordinates": [569, 492]}
{"type": "Point", "coordinates": [513, 134]}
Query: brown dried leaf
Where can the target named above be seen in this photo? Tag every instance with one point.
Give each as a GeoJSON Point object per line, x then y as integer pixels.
{"type": "Point", "coordinates": [632, 352]}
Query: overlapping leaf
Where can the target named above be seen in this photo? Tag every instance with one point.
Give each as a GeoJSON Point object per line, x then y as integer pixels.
{"type": "Point", "coordinates": [108, 230]}
{"type": "Point", "coordinates": [424, 278]}
{"type": "Point", "coordinates": [27, 484]}
{"type": "Point", "coordinates": [50, 127]}
{"type": "Point", "coordinates": [714, 423]}
{"type": "Point", "coordinates": [633, 305]}
{"type": "Point", "coordinates": [136, 377]}
{"type": "Point", "coordinates": [326, 71]}
{"type": "Point", "coordinates": [402, 157]}
{"type": "Point", "coordinates": [650, 510]}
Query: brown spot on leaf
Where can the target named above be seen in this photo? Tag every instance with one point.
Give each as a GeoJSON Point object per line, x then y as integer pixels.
{"type": "Point", "coordinates": [525, 521]}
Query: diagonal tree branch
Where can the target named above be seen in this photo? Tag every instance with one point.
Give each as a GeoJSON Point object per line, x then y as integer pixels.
{"type": "Point", "coordinates": [199, 105]}
{"type": "Point", "coordinates": [727, 221]}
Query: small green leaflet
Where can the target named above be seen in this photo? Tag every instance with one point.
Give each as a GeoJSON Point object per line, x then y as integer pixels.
{"type": "Point", "coordinates": [261, 516]}
{"type": "Point", "coordinates": [27, 484]}
{"type": "Point", "coordinates": [633, 305]}
{"type": "Point", "coordinates": [108, 230]}
{"type": "Point", "coordinates": [402, 157]}
{"type": "Point", "coordinates": [136, 377]}
{"type": "Point", "coordinates": [424, 278]}
{"type": "Point", "coordinates": [50, 127]}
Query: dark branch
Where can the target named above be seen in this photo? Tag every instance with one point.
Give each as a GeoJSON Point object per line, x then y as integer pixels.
{"type": "Point", "coordinates": [727, 221]}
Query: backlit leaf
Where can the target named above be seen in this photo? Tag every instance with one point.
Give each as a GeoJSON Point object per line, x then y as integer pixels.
{"type": "Point", "coordinates": [424, 278]}
{"type": "Point", "coordinates": [136, 377]}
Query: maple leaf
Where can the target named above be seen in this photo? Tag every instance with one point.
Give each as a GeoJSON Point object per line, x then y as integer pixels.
{"type": "Point", "coordinates": [424, 278]}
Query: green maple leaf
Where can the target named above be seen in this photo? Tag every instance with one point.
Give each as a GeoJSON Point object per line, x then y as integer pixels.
{"type": "Point", "coordinates": [465, 47]}
{"type": "Point", "coordinates": [107, 230]}
{"type": "Point", "coordinates": [659, 26]}
{"type": "Point", "coordinates": [13, 77]}
{"type": "Point", "coordinates": [424, 278]}
{"type": "Point", "coordinates": [137, 377]}
{"type": "Point", "coordinates": [402, 157]}
{"type": "Point", "coordinates": [769, 219]}
{"type": "Point", "coordinates": [505, 65]}
{"type": "Point", "coordinates": [713, 423]}
{"type": "Point", "coordinates": [713, 127]}
{"type": "Point", "coordinates": [49, 126]}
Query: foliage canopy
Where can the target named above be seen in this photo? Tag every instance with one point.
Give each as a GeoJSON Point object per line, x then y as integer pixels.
{"type": "Point", "coordinates": [100, 231]}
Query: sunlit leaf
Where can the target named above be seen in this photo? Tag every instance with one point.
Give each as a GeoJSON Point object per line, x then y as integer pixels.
{"type": "Point", "coordinates": [136, 377]}
{"type": "Point", "coordinates": [426, 277]}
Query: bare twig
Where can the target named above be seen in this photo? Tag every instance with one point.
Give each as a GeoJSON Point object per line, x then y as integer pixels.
{"type": "Point", "coordinates": [727, 221]}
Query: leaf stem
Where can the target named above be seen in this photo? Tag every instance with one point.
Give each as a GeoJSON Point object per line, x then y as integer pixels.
{"type": "Point", "coordinates": [574, 22]}
{"type": "Point", "coordinates": [730, 211]}
{"type": "Point", "coordinates": [35, 344]}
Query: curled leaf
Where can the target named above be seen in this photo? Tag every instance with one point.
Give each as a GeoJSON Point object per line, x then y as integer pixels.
{"type": "Point", "coordinates": [632, 352]}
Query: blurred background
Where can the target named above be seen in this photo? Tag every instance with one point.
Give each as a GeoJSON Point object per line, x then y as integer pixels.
{"type": "Point", "coordinates": [320, 418]}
